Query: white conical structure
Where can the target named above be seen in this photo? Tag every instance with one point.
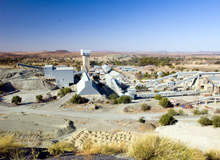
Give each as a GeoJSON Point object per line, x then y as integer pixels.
{"type": "Point", "coordinates": [86, 86]}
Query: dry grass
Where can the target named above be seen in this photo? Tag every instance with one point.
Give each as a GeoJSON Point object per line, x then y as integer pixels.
{"type": "Point", "coordinates": [29, 139]}
{"type": "Point", "coordinates": [107, 149]}
{"type": "Point", "coordinates": [61, 147]}
{"type": "Point", "coordinates": [217, 111]}
{"type": "Point", "coordinates": [213, 155]}
{"type": "Point", "coordinates": [8, 143]}
{"type": "Point", "coordinates": [152, 147]}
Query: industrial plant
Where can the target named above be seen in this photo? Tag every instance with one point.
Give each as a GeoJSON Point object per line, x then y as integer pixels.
{"type": "Point", "coordinates": [110, 99]}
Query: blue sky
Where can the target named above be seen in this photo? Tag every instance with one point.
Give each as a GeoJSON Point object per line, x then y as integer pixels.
{"type": "Point", "coordinates": [118, 25]}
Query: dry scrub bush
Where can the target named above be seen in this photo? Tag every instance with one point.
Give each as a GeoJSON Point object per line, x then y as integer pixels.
{"type": "Point", "coordinates": [63, 91]}
{"type": "Point", "coordinates": [216, 121]}
{"type": "Point", "coordinates": [198, 112]}
{"type": "Point", "coordinates": [61, 147]}
{"type": "Point", "coordinates": [124, 99]}
{"type": "Point", "coordinates": [8, 143]}
{"type": "Point", "coordinates": [167, 119]}
{"type": "Point", "coordinates": [173, 112]}
{"type": "Point", "coordinates": [165, 103]}
{"type": "Point", "coordinates": [213, 155]}
{"type": "Point", "coordinates": [77, 99]}
{"type": "Point", "coordinates": [205, 121]}
{"type": "Point", "coordinates": [39, 98]}
{"type": "Point", "coordinates": [16, 100]}
{"type": "Point", "coordinates": [153, 147]}
{"type": "Point", "coordinates": [90, 148]}
{"type": "Point", "coordinates": [158, 97]}
{"type": "Point", "coordinates": [145, 107]}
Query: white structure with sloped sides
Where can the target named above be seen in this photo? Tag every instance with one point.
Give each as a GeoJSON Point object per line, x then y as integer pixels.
{"type": "Point", "coordinates": [86, 86]}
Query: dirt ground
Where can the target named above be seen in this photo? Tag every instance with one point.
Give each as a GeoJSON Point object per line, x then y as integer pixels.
{"type": "Point", "coordinates": [192, 134]}
{"type": "Point", "coordinates": [59, 119]}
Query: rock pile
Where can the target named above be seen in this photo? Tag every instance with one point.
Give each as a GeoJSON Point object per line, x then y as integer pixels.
{"type": "Point", "coordinates": [101, 137]}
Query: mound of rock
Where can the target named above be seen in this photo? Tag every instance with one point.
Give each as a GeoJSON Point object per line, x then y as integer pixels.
{"type": "Point", "coordinates": [85, 136]}
{"type": "Point", "coordinates": [68, 128]}
{"type": "Point", "coordinates": [31, 84]}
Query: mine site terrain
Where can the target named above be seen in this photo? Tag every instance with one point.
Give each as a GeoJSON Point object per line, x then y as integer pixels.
{"type": "Point", "coordinates": [111, 99]}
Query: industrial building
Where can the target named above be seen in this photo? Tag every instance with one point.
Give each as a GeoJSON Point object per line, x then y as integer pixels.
{"type": "Point", "coordinates": [64, 76]}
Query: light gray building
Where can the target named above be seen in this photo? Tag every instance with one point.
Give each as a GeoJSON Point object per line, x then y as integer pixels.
{"type": "Point", "coordinates": [64, 76]}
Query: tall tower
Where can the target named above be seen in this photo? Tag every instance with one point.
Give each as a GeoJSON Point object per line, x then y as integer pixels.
{"type": "Point", "coordinates": [85, 58]}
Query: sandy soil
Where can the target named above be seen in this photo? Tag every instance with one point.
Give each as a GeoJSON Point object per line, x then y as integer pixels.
{"type": "Point", "coordinates": [50, 118]}
{"type": "Point", "coordinates": [192, 134]}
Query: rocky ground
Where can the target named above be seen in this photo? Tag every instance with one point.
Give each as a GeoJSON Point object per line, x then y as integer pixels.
{"type": "Point", "coordinates": [39, 124]}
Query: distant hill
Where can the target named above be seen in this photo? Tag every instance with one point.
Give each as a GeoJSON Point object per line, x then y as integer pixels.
{"type": "Point", "coordinates": [65, 53]}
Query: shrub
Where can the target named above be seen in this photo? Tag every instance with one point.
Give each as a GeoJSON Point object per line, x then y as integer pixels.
{"type": "Point", "coordinates": [16, 100]}
{"type": "Point", "coordinates": [172, 112]}
{"type": "Point", "coordinates": [124, 99]}
{"type": "Point", "coordinates": [213, 155]}
{"type": "Point", "coordinates": [204, 111]}
{"type": "Point", "coordinates": [181, 112]}
{"type": "Point", "coordinates": [198, 112]}
{"type": "Point", "coordinates": [115, 101]}
{"type": "Point", "coordinates": [39, 98]}
{"type": "Point", "coordinates": [152, 147]}
{"type": "Point", "coordinates": [204, 121]}
{"type": "Point", "coordinates": [145, 107]}
{"type": "Point", "coordinates": [164, 102]}
{"type": "Point", "coordinates": [141, 88]}
{"type": "Point", "coordinates": [96, 106]}
{"type": "Point", "coordinates": [63, 91]}
{"type": "Point", "coordinates": [113, 96]}
{"type": "Point", "coordinates": [167, 119]}
{"type": "Point", "coordinates": [141, 120]}
{"type": "Point", "coordinates": [158, 97]}
{"type": "Point", "coordinates": [61, 147]}
{"type": "Point", "coordinates": [54, 97]}
{"type": "Point", "coordinates": [216, 121]}
{"type": "Point", "coordinates": [77, 99]}
{"type": "Point", "coordinates": [1, 92]}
